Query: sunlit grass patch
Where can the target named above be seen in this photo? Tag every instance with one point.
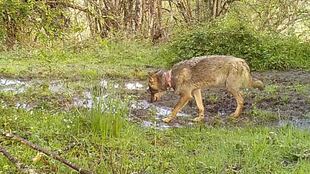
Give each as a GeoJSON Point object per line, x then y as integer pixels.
{"type": "Point", "coordinates": [271, 89]}
{"type": "Point", "coordinates": [114, 59]}
{"type": "Point", "coordinates": [263, 116]}
{"type": "Point", "coordinates": [107, 117]}
{"type": "Point", "coordinates": [302, 89]}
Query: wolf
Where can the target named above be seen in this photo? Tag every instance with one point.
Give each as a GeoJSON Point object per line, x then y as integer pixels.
{"type": "Point", "coordinates": [189, 77]}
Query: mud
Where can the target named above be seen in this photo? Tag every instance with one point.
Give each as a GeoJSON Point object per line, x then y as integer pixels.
{"type": "Point", "coordinates": [284, 101]}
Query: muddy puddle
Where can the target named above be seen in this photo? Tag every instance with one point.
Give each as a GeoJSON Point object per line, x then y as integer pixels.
{"type": "Point", "coordinates": [87, 99]}
{"type": "Point", "coordinates": [13, 85]}
{"type": "Point", "coordinates": [82, 95]}
{"type": "Point", "coordinates": [151, 115]}
{"type": "Point", "coordinates": [301, 123]}
{"type": "Point", "coordinates": [287, 95]}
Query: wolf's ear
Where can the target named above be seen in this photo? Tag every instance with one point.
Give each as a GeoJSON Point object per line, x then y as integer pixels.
{"type": "Point", "coordinates": [150, 74]}
{"type": "Point", "coordinates": [150, 77]}
{"type": "Point", "coordinates": [153, 73]}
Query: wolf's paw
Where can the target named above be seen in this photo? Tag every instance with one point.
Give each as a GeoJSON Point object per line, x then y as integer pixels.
{"type": "Point", "coordinates": [232, 119]}
{"type": "Point", "coordinates": [197, 119]}
{"type": "Point", "coordinates": [167, 119]}
{"type": "Point", "coordinates": [234, 116]}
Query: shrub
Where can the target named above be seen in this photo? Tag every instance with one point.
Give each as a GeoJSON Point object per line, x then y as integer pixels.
{"type": "Point", "coordinates": [261, 51]}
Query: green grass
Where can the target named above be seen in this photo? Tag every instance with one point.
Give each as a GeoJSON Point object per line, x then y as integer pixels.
{"type": "Point", "coordinates": [271, 89]}
{"type": "Point", "coordinates": [129, 148]}
{"type": "Point", "coordinates": [127, 59]}
{"type": "Point", "coordinates": [263, 116]}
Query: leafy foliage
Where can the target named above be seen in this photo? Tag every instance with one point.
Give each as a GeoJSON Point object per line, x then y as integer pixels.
{"type": "Point", "coordinates": [27, 21]}
{"type": "Point", "coordinates": [285, 16]}
{"type": "Point", "coordinates": [262, 51]}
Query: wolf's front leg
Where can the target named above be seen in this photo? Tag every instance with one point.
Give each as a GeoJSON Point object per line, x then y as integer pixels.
{"type": "Point", "coordinates": [181, 103]}
{"type": "Point", "coordinates": [199, 103]}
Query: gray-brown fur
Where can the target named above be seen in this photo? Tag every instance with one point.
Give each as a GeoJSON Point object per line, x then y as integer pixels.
{"type": "Point", "coordinates": [190, 76]}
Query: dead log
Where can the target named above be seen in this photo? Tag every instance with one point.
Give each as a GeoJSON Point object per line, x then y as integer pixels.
{"type": "Point", "coordinates": [48, 153]}
{"type": "Point", "coordinates": [20, 166]}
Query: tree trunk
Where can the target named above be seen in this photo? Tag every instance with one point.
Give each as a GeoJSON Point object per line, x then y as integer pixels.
{"type": "Point", "coordinates": [197, 10]}
{"type": "Point", "coordinates": [138, 15]}
{"type": "Point", "coordinates": [11, 30]}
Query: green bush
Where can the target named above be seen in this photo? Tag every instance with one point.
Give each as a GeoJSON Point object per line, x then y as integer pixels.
{"type": "Point", "coordinates": [283, 53]}
{"type": "Point", "coordinates": [261, 51]}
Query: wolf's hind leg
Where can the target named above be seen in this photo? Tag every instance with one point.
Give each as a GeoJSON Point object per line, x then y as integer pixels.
{"type": "Point", "coordinates": [199, 103]}
{"type": "Point", "coordinates": [240, 101]}
{"type": "Point", "coordinates": [181, 103]}
{"type": "Point", "coordinates": [237, 79]}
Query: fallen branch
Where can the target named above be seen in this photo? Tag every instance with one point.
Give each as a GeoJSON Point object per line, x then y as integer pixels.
{"type": "Point", "coordinates": [20, 166]}
{"type": "Point", "coordinates": [48, 153]}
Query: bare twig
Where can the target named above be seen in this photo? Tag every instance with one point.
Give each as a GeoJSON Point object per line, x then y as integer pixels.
{"type": "Point", "coordinates": [48, 153]}
{"type": "Point", "coordinates": [70, 5]}
{"type": "Point", "coordinates": [78, 7]}
{"type": "Point", "coordinates": [20, 166]}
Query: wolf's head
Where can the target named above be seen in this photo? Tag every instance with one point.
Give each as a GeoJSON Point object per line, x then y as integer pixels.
{"type": "Point", "coordinates": [157, 84]}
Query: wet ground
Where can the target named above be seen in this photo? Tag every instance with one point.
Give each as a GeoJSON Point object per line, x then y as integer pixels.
{"type": "Point", "coordinates": [284, 101]}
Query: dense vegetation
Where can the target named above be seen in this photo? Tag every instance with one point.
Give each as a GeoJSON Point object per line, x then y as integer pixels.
{"type": "Point", "coordinates": [262, 51]}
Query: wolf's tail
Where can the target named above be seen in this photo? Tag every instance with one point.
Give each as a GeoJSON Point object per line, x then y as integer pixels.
{"type": "Point", "coordinates": [257, 84]}
{"type": "Point", "coordinates": [254, 83]}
